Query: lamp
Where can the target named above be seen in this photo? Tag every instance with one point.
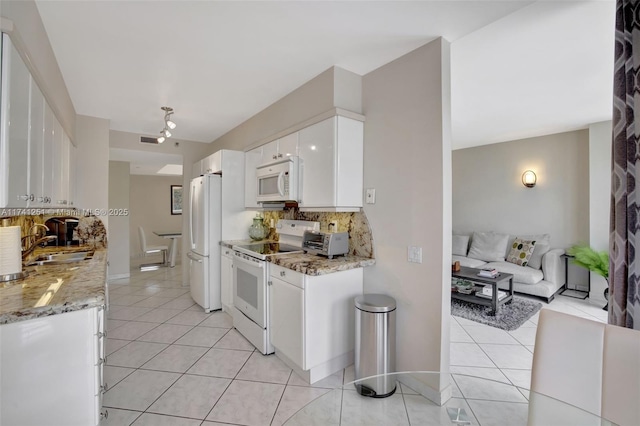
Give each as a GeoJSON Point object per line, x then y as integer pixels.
{"type": "Point", "coordinates": [529, 178]}
{"type": "Point", "coordinates": [168, 124]}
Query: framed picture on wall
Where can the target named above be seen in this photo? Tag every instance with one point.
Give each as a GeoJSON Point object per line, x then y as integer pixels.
{"type": "Point", "coordinates": [176, 199]}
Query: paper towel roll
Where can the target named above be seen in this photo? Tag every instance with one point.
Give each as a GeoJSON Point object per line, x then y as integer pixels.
{"type": "Point", "coordinates": [10, 250]}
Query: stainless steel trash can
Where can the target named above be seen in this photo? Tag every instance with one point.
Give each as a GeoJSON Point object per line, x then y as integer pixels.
{"type": "Point", "coordinates": [375, 352]}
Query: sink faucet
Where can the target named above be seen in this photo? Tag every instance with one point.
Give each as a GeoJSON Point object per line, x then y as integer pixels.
{"type": "Point", "coordinates": [31, 241]}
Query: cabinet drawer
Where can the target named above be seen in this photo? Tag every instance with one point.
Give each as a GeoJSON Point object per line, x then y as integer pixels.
{"type": "Point", "coordinates": [287, 275]}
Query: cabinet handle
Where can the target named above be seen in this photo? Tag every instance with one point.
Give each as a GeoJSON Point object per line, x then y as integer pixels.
{"type": "Point", "coordinates": [23, 197]}
{"type": "Point", "coordinates": [279, 155]}
{"type": "Point", "coordinates": [102, 360]}
{"type": "Point", "coordinates": [32, 197]}
{"type": "Point", "coordinates": [102, 334]}
{"type": "Point", "coordinates": [104, 388]}
{"type": "Point", "coordinates": [104, 415]}
{"type": "Point", "coordinates": [269, 282]}
{"type": "Point", "coordinates": [41, 199]}
{"type": "Point", "coordinates": [275, 157]}
{"type": "Point", "coordinates": [283, 273]}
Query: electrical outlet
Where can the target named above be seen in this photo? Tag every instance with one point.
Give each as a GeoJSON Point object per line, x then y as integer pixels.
{"type": "Point", "coordinates": [370, 196]}
{"type": "Point", "coordinates": [333, 226]}
{"type": "Point", "coordinates": [414, 254]}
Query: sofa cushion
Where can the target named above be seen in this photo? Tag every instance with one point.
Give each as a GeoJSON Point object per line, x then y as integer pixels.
{"type": "Point", "coordinates": [542, 247]}
{"type": "Point", "coordinates": [521, 251]}
{"type": "Point", "coordinates": [460, 244]}
{"type": "Point", "coordinates": [521, 274]}
{"type": "Point", "coordinates": [488, 246]}
{"type": "Point", "coordinates": [468, 262]}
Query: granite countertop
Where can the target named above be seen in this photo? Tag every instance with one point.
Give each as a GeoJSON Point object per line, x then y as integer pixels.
{"type": "Point", "coordinates": [55, 289]}
{"type": "Point", "coordinates": [311, 264]}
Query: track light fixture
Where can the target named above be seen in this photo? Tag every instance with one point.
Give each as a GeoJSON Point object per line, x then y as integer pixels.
{"type": "Point", "coordinates": [168, 124]}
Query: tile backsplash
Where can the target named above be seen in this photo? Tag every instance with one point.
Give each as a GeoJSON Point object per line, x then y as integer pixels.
{"type": "Point", "coordinates": [356, 224]}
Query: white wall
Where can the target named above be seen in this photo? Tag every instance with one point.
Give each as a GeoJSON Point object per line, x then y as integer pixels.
{"type": "Point", "coordinates": [407, 160]}
{"type": "Point", "coordinates": [488, 194]}
{"type": "Point", "coordinates": [312, 98]}
{"type": "Point", "coordinates": [600, 138]}
{"type": "Point", "coordinates": [150, 204]}
{"type": "Point", "coordinates": [92, 186]}
{"type": "Point", "coordinates": [119, 224]}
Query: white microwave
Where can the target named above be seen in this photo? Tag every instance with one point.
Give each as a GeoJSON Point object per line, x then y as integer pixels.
{"type": "Point", "coordinates": [278, 181]}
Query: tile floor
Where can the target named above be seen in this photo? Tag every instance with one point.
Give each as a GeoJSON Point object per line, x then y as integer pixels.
{"type": "Point", "coordinates": [169, 363]}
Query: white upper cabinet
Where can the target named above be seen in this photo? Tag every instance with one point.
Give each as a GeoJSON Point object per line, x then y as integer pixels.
{"type": "Point", "coordinates": [252, 159]}
{"type": "Point", "coordinates": [331, 154]}
{"type": "Point", "coordinates": [35, 163]}
{"type": "Point", "coordinates": [212, 163]}
{"type": "Point", "coordinates": [14, 157]}
{"type": "Point", "coordinates": [278, 149]}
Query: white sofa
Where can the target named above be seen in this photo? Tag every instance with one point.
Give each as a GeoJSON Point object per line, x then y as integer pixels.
{"type": "Point", "coordinates": [543, 277]}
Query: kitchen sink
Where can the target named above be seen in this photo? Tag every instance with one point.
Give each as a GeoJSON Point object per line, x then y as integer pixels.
{"type": "Point", "coordinates": [60, 258]}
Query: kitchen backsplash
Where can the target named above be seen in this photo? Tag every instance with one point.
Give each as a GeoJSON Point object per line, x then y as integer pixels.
{"type": "Point", "coordinates": [90, 230]}
{"type": "Point", "coordinates": [356, 224]}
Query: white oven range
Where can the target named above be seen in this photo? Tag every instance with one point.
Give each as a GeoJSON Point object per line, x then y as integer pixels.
{"type": "Point", "coordinates": [251, 279]}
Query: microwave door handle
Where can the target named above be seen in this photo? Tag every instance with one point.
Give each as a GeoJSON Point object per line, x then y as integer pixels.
{"type": "Point", "coordinates": [281, 183]}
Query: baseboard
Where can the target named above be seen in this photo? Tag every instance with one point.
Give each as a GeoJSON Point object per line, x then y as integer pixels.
{"type": "Point", "coordinates": [118, 276]}
{"type": "Point", "coordinates": [321, 371]}
{"type": "Point", "coordinates": [433, 395]}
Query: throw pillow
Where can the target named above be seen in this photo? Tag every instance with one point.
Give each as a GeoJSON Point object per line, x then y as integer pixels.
{"type": "Point", "coordinates": [459, 245]}
{"type": "Point", "coordinates": [521, 251]}
{"type": "Point", "coordinates": [488, 246]}
{"type": "Point", "coordinates": [541, 248]}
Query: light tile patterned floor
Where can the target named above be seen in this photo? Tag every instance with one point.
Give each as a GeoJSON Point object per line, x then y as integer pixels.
{"type": "Point", "coordinates": [169, 363]}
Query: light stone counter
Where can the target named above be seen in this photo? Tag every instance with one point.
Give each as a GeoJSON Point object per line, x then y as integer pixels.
{"type": "Point", "coordinates": [311, 264]}
{"type": "Point", "coordinates": [55, 289]}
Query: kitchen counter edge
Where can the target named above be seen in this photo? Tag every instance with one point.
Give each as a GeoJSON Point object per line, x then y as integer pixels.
{"type": "Point", "coordinates": [83, 287]}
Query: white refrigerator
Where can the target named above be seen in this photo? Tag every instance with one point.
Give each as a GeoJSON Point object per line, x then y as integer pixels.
{"type": "Point", "coordinates": [205, 229]}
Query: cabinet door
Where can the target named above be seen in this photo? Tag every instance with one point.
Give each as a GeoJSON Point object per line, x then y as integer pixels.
{"type": "Point", "coordinates": [36, 147]}
{"type": "Point", "coordinates": [288, 146]}
{"type": "Point", "coordinates": [48, 160]}
{"type": "Point", "coordinates": [226, 278]}
{"type": "Point", "coordinates": [57, 164]}
{"type": "Point", "coordinates": [65, 164]}
{"type": "Point", "coordinates": [252, 159]}
{"type": "Point", "coordinates": [317, 153]}
{"type": "Point", "coordinates": [16, 85]}
{"type": "Point", "coordinates": [286, 311]}
{"type": "Point", "coordinates": [196, 169]}
{"type": "Point", "coordinates": [212, 163]}
{"type": "Point", "coordinates": [73, 171]}
{"type": "Point", "coordinates": [269, 152]}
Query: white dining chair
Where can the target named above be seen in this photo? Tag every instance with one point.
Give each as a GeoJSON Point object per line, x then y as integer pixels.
{"type": "Point", "coordinates": [151, 249]}
{"type": "Point", "coordinates": [588, 364]}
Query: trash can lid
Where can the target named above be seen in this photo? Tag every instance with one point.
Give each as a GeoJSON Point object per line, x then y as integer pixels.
{"type": "Point", "coordinates": [376, 303]}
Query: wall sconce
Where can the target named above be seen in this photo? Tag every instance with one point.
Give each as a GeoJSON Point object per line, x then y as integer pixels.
{"type": "Point", "coordinates": [529, 178]}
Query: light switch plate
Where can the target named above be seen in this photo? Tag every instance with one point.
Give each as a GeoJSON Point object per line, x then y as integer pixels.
{"type": "Point", "coordinates": [370, 196]}
{"type": "Point", "coordinates": [414, 254]}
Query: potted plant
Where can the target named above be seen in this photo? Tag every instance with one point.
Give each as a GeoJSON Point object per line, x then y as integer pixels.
{"type": "Point", "coordinates": [595, 261]}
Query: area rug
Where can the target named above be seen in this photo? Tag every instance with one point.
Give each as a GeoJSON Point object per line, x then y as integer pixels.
{"type": "Point", "coordinates": [510, 316]}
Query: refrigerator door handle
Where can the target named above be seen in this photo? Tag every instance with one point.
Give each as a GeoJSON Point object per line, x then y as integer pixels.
{"type": "Point", "coordinates": [192, 212]}
{"type": "Point", "coordinates": [192, 257]}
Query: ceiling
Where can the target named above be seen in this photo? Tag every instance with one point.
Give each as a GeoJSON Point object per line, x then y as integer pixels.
{"type": "Point", "coordinates": [518, 68]}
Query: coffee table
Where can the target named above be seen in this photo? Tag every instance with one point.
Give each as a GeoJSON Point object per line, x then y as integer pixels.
{"type": "Point", "coordinates": [471, 274]}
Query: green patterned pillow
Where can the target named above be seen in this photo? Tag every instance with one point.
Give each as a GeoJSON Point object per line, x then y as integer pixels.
{"type": "Point", "coordinates": [521, 252]}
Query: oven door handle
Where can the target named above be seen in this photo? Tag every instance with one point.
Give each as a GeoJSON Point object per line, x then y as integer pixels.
{"type": "Point", "coordinates": [258, 264]}
{"type": "Point", "coordinates": [192, 257]}
{"type": "Point", "coordinates": [281, 184]}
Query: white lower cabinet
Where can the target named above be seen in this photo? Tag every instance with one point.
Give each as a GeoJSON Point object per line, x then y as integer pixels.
{"type": "Point", "coordinates": [312, 319]}
{"type": "Point", "coordinates": [52, 369]}
{"type": "Point", "coordinates": [226, 279]}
